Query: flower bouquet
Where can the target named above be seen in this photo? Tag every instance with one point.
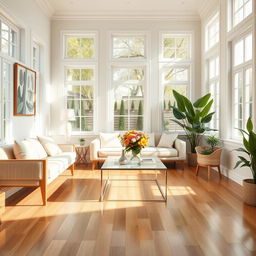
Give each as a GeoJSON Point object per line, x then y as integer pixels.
{"type": "Point", "coordinates": [134, 141]}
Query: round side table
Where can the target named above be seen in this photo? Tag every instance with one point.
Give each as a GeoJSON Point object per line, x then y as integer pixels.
{"type": "Point", "coordinates": [81, 152]}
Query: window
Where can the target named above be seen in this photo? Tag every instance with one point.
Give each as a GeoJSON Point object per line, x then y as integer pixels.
{"type": "Point", "coordinates": [36, 56]}
{"type": "Point", "coordinates": [80, 84]}
{"type": "Point", "coordinates": [128, 47]}
{"type": "Point", "coordinates": [80, 46]}
{"type": "Point", "coordinates": [174, 67]}
{"type": "Point", "coordinates": [240, 9]}
{"type": "Point", "coordinates": [9, 38]}
{"type": "Point", "coordinates": [5, 100]}
{"type": "Point", "coordinates": [214, 88]}
{"type": "Point", "coordinates": [212, 33]}
{"type": "Point", "coordinates": [242, 83]}
{"type": "Point", "coordinates": [175, 47]}
{"type": "Point", "coordinates": [128, 84]}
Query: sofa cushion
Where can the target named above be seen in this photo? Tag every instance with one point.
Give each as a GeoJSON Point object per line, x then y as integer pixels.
{"type": "Point", "coordinates": [38, 147]}
{"type": "Point", "coordinates": [167, 140]}
{"type": "Point", "coordinates": [105, 152]}
{"type": "Point", "coordinates": [59, 163]}
{"type": "Point", "coordinates": [159, 152]}
{"type": "Point", "coordinates": [24, 150]}
{"type": "Point", "coordinates": [109, 140]}
{"type": "Point", "coordinates": [50, 146]}
{"type": "Point", "coordinates": [3, 155]}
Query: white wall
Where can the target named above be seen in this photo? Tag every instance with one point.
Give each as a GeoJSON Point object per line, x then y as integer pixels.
{"type": "Point", "coordinates": [33, 23]}
{"type": "Point", "coordinates": [104, 27]}
{"type": "Point", "coordinates": [229, 156]}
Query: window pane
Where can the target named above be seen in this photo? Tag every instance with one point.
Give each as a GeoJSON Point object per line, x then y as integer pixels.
{"type": "Point", "coordinates": [87, 92]}
{"type": "Point", "coordinates": [248, 47]}
{"type": "Point", "coordinates": [128, 47]}
{"type": "Point", "coordinates": [73, 92]}
{"type": "Point", "coordinates": [86, 124]}
{"type": "Point", "coordinates": [239, 52]}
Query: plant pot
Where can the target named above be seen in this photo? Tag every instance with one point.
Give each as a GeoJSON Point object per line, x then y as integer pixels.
{"type": "Point", "coordinates": [249, 194]}
{"type": "Point", "coordinates": [212, 159]}
{"type": "Point", "coordinates": [192, 159]}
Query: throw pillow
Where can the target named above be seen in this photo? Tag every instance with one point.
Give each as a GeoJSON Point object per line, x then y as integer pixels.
{"type": "Point", "coordinates": [24, 150]}
{"type": "Point", "coordinates": [49, 145]}
{"type": "Point", "coordinates": [109, 140]}
{"type": "Point", "coordinates": [38, 147]}
{"type": "Point", "coordinates": [167, 140]}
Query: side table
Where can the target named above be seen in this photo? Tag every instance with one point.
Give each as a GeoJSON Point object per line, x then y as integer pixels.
{"type": "Point", "coordinates": [2, 204]}
{"type": "Point", "coordinates": [81, 152]}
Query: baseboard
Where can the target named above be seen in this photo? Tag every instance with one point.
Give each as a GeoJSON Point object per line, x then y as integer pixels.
{"type": "Point", "coordinates": [231, 174]}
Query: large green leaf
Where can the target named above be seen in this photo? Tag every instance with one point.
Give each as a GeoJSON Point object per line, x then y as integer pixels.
{"type": "Point", "coordinates": [197, 116]}
{"type": "Point", "coordinates": [178, 114]}
{"type": "Point", "coordinates": [188, 106]}
{"type": "Point", "coordinates": [242, 150]}
{"type": "Point", "coordinates": [206, 109]}
{"type": "Point", "coordinates": [178, 122]}
{"type": "Point", "coordinates": [252, 143]}
{"type": "Point", "coordinates": [201, 102]}
{"type": "Point", "coordinates": [179, 99]}
{"type": "Point", "coordinates": [249, 124]}
{"type": "Point", "coordinates": [238, 163]}
{"type": "Point", "coordinates": [207, 118]}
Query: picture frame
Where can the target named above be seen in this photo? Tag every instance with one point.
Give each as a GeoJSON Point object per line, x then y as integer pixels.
{"type": "Point", "coordinates": [24, 91]}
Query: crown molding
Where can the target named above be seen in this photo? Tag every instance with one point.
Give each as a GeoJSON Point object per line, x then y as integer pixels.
{"type": "Point", "coordinates": [127, 16]}
{"type": "Point", "coordinates": [46, 7]}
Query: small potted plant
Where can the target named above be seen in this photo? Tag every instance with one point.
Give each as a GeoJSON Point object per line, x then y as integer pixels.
{"type": "Point", "coordinates": [209, 156]}
{"type": "Point", "coordinates": [82, 141]}
{"type": "Point", "coordinates": [249, 141]}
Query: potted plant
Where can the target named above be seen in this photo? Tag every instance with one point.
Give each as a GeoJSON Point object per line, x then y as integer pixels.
{"type": "Point", "coordinates": [82, 141]}
{"type": "Point", "coordinates": [193, 117]}
{"type": "Point", "coordinates": [209, 156]}
{"type": "Point", "coordinates": [249, 141]}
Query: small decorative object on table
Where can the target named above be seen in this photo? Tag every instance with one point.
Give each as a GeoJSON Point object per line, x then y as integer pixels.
{"type": "Point", "coordinates": [134, 141]}
{"type": "Point", "coordinates": [82, 141]}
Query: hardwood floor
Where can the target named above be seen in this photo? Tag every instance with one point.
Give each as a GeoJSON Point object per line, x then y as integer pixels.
{"type": "Point", "coordinates": [200, 218]}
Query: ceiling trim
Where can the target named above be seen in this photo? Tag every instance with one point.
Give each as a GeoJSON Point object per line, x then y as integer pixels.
{"type": "Point", "coordinates": [46, 7]}
{"type": "Point", "coordinates": [207, 6]}
{"type": "Point", "coordinates": [125, 16]}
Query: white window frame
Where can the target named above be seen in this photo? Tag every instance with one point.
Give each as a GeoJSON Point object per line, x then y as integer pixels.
{"type": "Point", "coordinates": [36, 59]}
{"type": "Point", "coordinates": [189, 63]}
{"type": "Point", "coordinates": [5, 120]}
{"type": "Point", "coordinates": [215, 21]}
{"type": "Point", "coordinates": [234, 70]}
{"type": "Point", "coordinates": [17, 45]}
{"type": "Point", "coordinates": [80, 34]}
{"type": "Point", "coordinates": [81, 83]}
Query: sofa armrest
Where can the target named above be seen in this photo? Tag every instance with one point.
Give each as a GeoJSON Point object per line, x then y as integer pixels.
{"type": "Point", "coordinates": [16, 169]}
{"type": "Point", "coordinates": [180, 145]}
{"type": "Point", "coordinates": [94, 148]}
{"type": "Point", "coordinates": [67, 147]}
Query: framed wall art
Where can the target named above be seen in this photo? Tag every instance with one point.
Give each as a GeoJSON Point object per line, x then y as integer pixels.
{"type": "Point", "coordinates": [24, 91]}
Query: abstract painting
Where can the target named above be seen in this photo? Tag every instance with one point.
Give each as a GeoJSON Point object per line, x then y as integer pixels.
{"type": "Point", "coordinates": [24, 91]}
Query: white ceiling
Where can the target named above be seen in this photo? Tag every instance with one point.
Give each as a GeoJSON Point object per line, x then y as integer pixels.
{"type": "Point", "coordinates": [125, 7]}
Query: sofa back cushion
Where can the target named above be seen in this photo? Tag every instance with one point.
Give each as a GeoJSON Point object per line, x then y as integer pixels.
{"type": "Point", "coordinates": [38, 148]}
{"type": "Point", "coordinates": [109, 140]}
{"type": "Point", "coordinates": [49, 145]}
{"type": "Point", "coordinates": [24, 150]}
{"type": "Point", "coordinates": [3, 155]}
{"type": "Point", "coordinates": [167, 140]}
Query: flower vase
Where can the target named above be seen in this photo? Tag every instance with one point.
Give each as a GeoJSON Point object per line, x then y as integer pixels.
{"type": "Point", "coordinates": [123, 159]}
{"type": "Point", "coordinates": [135, 159]}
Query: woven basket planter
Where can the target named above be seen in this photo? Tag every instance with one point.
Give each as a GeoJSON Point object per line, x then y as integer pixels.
{"type": "Point", "coordinates": [212, 159]}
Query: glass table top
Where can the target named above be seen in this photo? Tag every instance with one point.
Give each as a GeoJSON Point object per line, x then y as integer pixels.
{"type": "Point", "coordinates": [147, 163]}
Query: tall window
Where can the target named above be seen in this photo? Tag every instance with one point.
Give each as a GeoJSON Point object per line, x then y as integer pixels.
{"type": "Point", "coordinates": [5, 100]}
{"type": "Point", "coordinates": [9, 38]}
{"type": "Point", "coordinates": [239, 10]}
{"type": "Point", "coordinates": [212, 32]}
{"type": "Point", "coordinates": [174, 66]}
{"type": "Point", "coordinates": [128, 81]}
{"type": "Point", "coordinates": [36, 56]}
{"type": "Point", "coordinates": [242, 82]}
{"type": "Point", "coordinates": [80, 81]}
{"type": "Point", "coordinates": [214, 88]}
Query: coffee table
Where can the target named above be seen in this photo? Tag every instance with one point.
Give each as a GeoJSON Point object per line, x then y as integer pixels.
{"type": "Point", "coordinates": [148, 163]}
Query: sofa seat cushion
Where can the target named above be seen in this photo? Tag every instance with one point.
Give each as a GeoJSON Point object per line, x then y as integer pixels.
{"type": "Point", "coordinates": [105, 152]}
{"type": "Point", "coordinates": [59, 163]}
{"type": "Point", "coordinates": [159, 152]}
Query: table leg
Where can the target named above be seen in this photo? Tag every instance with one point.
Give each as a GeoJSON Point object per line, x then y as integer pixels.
{"type": "Point", "coordinates": [166, 191]}
{"type": "Point", "coordinates": [101, 185]}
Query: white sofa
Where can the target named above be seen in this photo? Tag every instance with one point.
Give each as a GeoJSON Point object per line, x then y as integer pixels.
{"type": "Point", "coordinates": [174, 153]}
{"type": "Point", "coordinates": [34, 172]}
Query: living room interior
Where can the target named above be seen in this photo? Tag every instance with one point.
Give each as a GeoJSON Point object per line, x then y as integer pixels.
{"type": "Point", "coordinates": [127, 127]}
